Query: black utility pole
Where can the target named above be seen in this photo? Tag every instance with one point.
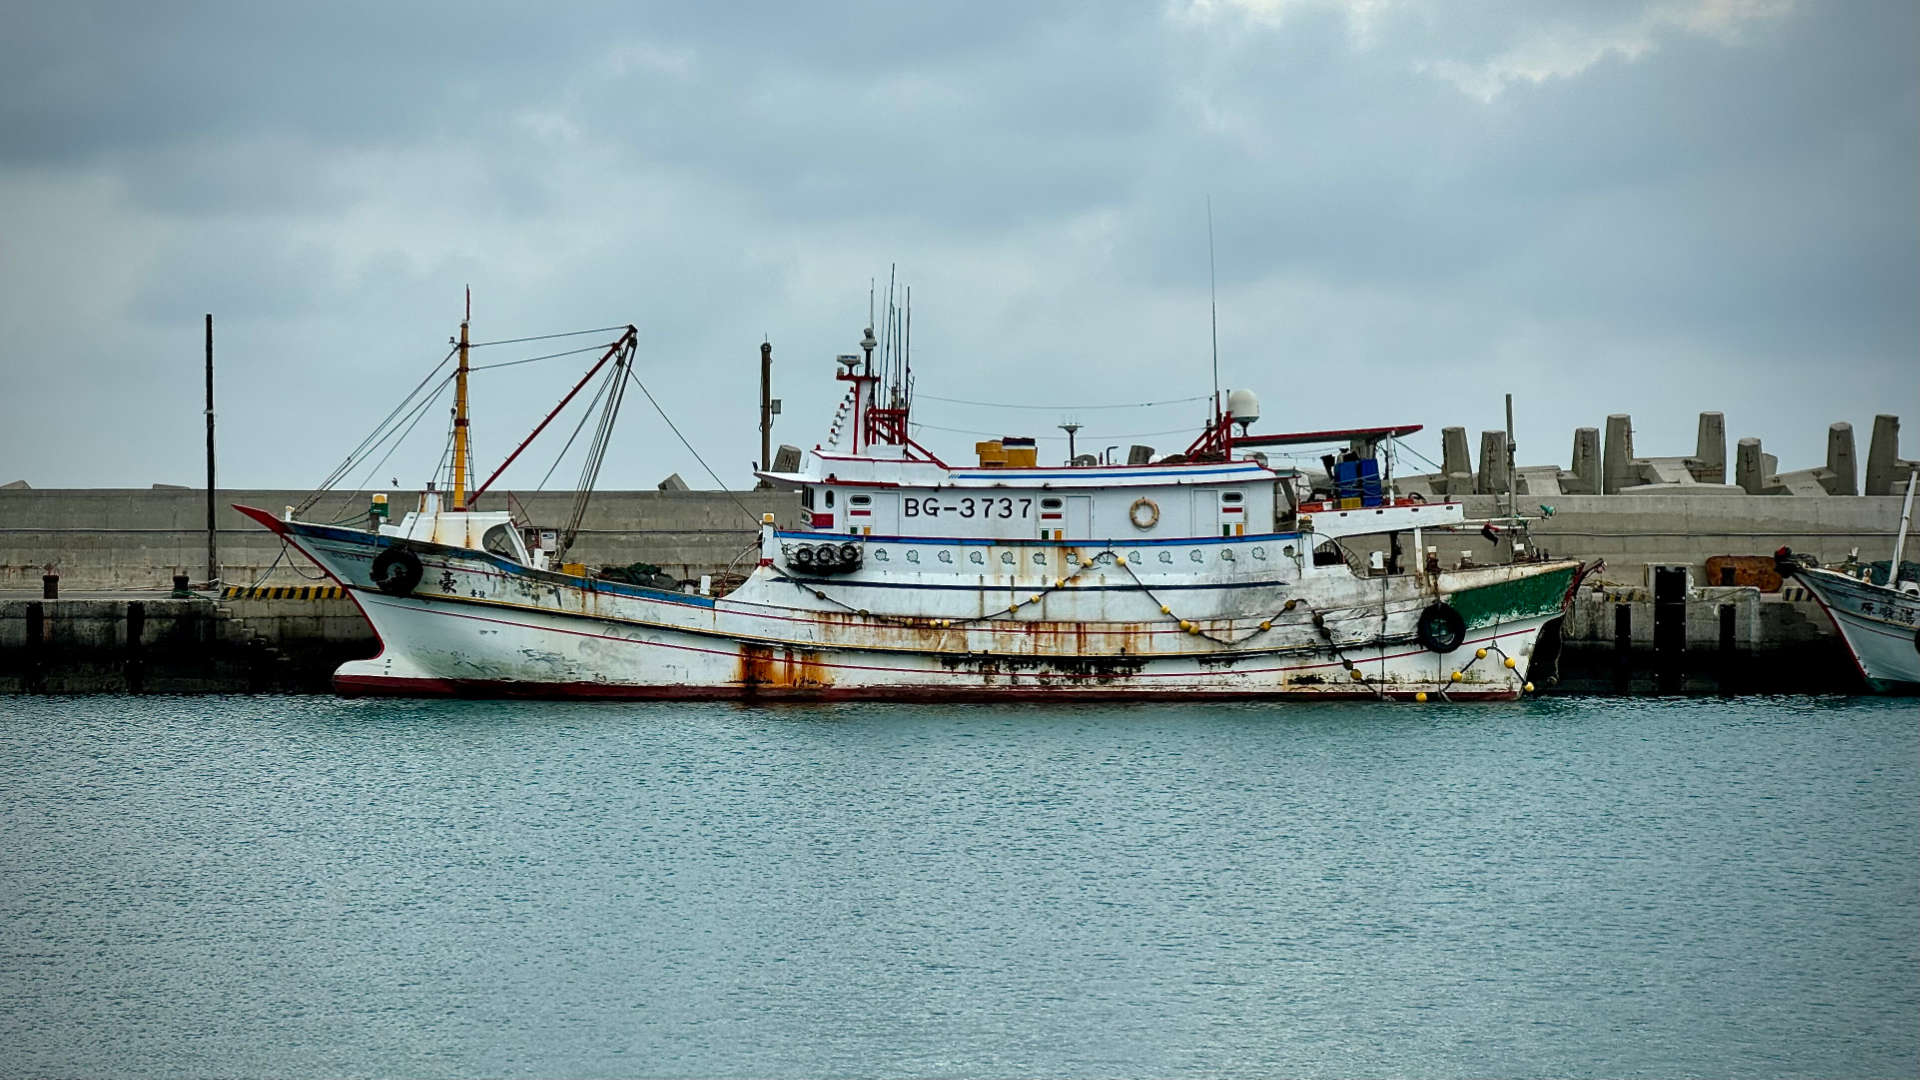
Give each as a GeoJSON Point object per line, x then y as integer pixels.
{"type": "Point", "coordinates": [213, 560]}
{"type": "Point", "coordinates": [766, 406]}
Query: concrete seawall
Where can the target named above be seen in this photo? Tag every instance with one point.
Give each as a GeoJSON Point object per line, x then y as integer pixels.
{"type": "Point", "coordinates": [132, 542]}
{"type": "Point", "coordinates": [196, 645]}
{"type": "Point", "coordinates": [138, 539]}
{"type": "Point", "coordinates": [1634, 531]}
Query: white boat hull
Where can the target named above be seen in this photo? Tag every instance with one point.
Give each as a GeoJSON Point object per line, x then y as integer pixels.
{"type": "Point", "coordinates": [479, 626]}
{"type": "Point", "coordinates": [1880, 626]}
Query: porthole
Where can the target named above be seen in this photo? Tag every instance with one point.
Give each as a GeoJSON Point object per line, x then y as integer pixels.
{"type": "Point", "coordinates": [946, 556]}
{"type": "Point", "coordinates": [880, 555]}
{"type": "Point", "coordinates": [1040, 558]}
{"type": "Point", "coordinates": [1260, 553]}
{"type": "Point", "coordinates": [1137, 557]}
{"type": "Point", "coordinates": [1289, 552]}
{"type": "Point", "coordinates": [1105, 558]}
{"type": "Point", "coordinates": [829, 498]}
{"type": "Point", "coordinates": [1166, 556]}
{"type": "Point", "coordinates": [1049, 504]}
{"type": "Point", "coordinates": [1195, 556]}
{"type": "Point", "coordinates": [1006, 558]}
{"type": "Point", "coordinates": [1226, 554]}
{"type": "Point", "coordinates": [913, 556]}
{"type": "Point", "coordinates": [860, 500]}
{"type": "Point", "coordinates": [976, 558]}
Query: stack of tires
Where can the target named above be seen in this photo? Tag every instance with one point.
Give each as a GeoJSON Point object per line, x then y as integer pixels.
{"type": "Point", "coordinates": [824, 558]}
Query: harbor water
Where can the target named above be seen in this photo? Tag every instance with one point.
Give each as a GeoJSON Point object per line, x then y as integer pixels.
{"type": "Point", "coordinates": [1581, 887]}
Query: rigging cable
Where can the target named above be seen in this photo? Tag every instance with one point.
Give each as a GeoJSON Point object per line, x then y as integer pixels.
{"type": "Point", "coordinates": [689, 446]}
{"type": "Point", "coordinates": [543, 337]}
{"type": "Point", "coordinates": [419, 413]}
{"type": "Point", "coordinates": [1437, 467]}
{"type": "Point", "coordinates": [531, 359]}
{"type": "Point", "coordinates": [1052, 438]}
{"type": "Point", "coordinates": [596, 451]}
{"type": "Point", "coordinates": [592, 404]}
{"type": "Point", "coordinates": [1069, 408]}
{"type": "Point", "coordinates": [367, 443]}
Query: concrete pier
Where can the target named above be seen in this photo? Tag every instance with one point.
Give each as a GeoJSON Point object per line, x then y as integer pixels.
{"type": "Point", "coordinates": [1656, 521]}
{"type": "Point", "coordinates": [151, 644]}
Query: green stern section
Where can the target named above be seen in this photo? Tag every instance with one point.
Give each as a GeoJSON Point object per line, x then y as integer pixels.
{"type": "Point", "coordinates": [1526, 597]}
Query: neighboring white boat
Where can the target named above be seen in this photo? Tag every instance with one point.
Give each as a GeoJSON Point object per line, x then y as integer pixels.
{"type": "Point", "coordinates": [1205, 575]}
{"type": "Point", "coordinates": [1879, 622]}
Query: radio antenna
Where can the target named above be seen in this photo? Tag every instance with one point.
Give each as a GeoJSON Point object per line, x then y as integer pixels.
{"type": "Point", "coordinates": [1213, 304]}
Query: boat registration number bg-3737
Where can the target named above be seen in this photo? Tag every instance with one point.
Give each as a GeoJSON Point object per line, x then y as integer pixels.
{"type": "Point", "coordinates": [989, 507]}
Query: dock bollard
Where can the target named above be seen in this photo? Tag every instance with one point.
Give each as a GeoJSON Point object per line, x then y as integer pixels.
{"type": "Point", "coordinates": [50, 586]}
{"type": "Point", "coordinates": [180, 591]}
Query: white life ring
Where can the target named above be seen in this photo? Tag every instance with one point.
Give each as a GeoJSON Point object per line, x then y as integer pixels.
{"type": "Point", "coordinates": [1144, 514]}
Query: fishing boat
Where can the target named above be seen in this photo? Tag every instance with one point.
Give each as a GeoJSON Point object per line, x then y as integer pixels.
{"type": "Point", "coordinates": [1879, 621]}
{"type": "Point", "coordinates": [1207, 574]}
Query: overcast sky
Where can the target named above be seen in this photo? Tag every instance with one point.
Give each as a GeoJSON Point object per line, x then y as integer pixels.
{"type": "Point", "coordinates": [1652, 208]}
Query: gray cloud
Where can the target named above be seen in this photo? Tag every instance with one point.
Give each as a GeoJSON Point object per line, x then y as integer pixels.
{"type": "Point", "coordinates": [1656, 208]}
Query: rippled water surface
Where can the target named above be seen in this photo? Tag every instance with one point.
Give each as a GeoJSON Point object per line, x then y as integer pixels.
{"type": "Point", "coordinates": [313, 887]}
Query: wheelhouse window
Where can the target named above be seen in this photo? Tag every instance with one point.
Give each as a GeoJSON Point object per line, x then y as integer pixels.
{"type": "Point", "coordinates": [858, 500]}
{"type": "Point", "coordinates": [1050, 504]}
{"type": "Point", "coordinates": [499, 541]}
{"type": "Point", "coordinates": [829, 498]}
{"type": "Point", "coordinates": [806, 498]}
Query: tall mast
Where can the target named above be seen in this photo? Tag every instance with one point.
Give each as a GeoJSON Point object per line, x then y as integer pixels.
{"type": "Point", "coordinates": [460, 414]}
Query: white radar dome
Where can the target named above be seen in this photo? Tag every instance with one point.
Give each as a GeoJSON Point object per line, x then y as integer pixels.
{"type": "Point", "coordinates": [1243, 406]}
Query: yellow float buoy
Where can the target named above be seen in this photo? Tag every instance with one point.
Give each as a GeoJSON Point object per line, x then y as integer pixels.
{"type": "Point", "coordinates": [1455, 677]}
{"type": "Point", "coordinates": [1266, 624]}
{"type": "Point", "coordinates": [1120, 560]}
{"type": "Point", "coordinates": [1356, 675]}
{"type": "Point", "coordinates": [1165, 610]}
{"type": "Point", "coordinates": [1509, 662]}
{"type": "Point", "coordinates": [1479, 654]}
{"type": "Point", "coordinates": [1528, 688]}
{"type": "Point", "coordinates": [1421, 696]}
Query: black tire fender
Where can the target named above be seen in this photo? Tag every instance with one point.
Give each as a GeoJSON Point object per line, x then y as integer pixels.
{"type": "Point", "coordinates": [802, 557]}
{"type": "Point", "coordinates": [849, 554]}
{"type": "Point", "coordinates": [1440, 628]}
{"type": "Point", "coordinates": [396, 571]}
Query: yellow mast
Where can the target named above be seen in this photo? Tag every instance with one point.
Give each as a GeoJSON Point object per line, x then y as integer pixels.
{"type": "Point", "coordinates": [460, 415]}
